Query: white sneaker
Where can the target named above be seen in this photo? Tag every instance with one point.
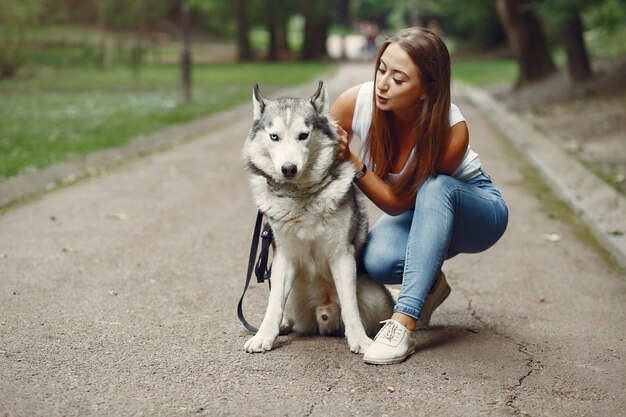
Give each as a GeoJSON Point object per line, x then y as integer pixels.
{"type": "Point", "coordinates": [392, 344]}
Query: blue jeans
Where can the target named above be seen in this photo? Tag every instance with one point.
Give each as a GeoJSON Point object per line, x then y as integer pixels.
{"type": "Point", "coordinates": [450, 217]}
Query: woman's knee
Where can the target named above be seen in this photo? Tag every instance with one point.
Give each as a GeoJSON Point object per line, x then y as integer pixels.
{"type": "Point", "coordinates": [383, 264]}
{"type": "Point", "coordinates": [437, 185]}
{"type": "Point", "coordinates": [436, 191]}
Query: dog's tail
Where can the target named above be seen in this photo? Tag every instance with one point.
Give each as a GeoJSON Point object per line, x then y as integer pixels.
{"type": "Point", "coordinates": [395, 292]}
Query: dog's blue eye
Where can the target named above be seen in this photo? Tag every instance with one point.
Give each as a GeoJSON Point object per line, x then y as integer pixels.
{"type": "Point", "coordinates": [303, 136]}
{"type": "Point", "coordinates": [274, 137]}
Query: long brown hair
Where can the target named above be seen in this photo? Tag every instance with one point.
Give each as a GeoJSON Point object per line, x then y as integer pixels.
{"type": "Point", "coordinates": [431, 124]}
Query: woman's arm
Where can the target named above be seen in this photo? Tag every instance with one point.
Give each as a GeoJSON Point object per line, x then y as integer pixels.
{"type": "Point", "coordinates": [378, 191]}
{"type": "Point", "coordinates": [453, 149]}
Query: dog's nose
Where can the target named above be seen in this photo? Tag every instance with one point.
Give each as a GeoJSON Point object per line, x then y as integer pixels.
{"type": "Point", "coordinates": [289, 170]}
{"type": "Point", "coordinates": [324, 317]}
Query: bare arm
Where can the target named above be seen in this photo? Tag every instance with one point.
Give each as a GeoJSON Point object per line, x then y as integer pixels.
{"type": "Point", "coordinates": [378, 191]}
{"type": "Point", "coordinates": [453, 149]}
{"type": "Point", "coordinates": [450, 156]}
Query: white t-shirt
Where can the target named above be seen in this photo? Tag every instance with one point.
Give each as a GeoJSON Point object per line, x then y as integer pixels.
{"type": "Point", "coordinates": [469, 166]}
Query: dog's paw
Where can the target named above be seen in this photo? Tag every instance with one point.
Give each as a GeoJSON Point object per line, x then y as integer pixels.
{"type": "Point", "coordinates": [259, 344]}
{"type": "Point", "coordinates": [359, 345]}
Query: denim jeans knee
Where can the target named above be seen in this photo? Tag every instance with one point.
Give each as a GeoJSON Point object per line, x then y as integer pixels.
{"type": "Point", "coordinates": [383, 254]}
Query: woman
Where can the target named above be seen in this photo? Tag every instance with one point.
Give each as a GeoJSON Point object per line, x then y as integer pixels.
{"type": "Point", "coordinates": [415, 165]}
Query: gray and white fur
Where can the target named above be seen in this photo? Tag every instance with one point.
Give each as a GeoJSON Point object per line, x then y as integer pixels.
{"type": "Point", "coordinates": [319, 221]}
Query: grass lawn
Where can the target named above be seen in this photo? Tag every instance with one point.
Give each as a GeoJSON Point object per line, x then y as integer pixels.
{"type": "Point", "coordinates": [60, 114]}
{"type": "Point", "coordinates": [486, 71]}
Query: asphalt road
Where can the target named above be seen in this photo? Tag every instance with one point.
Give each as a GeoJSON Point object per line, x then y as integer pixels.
{"type": "Point", "coordinates": [118, 296]}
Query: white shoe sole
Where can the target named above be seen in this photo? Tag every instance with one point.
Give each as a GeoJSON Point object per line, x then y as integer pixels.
{"type": "Point", "coordinates": [390, 361]}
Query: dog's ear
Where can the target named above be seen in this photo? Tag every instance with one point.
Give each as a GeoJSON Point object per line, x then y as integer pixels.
{"type": "Point", "coordinates": [258, 102]}
{"type": "Point", "coordinates": [319, 100]}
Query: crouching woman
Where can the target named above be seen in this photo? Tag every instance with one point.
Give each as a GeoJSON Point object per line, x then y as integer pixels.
{"type": "Point", "coordinates": [417, 166]}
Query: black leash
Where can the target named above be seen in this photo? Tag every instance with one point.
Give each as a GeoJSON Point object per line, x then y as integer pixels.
{"type": "Point", "coordinates": [261, 270]}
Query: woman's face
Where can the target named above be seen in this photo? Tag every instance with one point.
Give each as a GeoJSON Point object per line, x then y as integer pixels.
{"type": "Point", "coordinates": [398, 85]}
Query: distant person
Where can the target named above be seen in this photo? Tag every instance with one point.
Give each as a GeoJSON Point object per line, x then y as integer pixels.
{"type": "Point", "coordinates": [417, 166]}
{"type": "Point", "coordinates": [369, 31]}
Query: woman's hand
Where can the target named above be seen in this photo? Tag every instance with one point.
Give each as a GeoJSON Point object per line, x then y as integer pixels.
{"type": "Point", "coordinates": [343, 150]}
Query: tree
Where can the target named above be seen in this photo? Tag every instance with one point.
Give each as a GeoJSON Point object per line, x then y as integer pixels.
{"type": "Point", "coordinates": [244, 52]}
{"type": "Point", "coordinates": [275, 14]}
{"type": "Point", "coordinates": [185, 62]}
{"type": "Point", "coordinates": [565, 15]}
{"type": "Point", "coordinates": [527, 40]}
{"type": "Point", "coordinates": [317, 15]}
{"type": "Point", "coordinates": [343, 12]}
{"type": "Point", "coordinates": [578, 63]}
{"type": "Point", "coordinates": [375, 11]}
{"type": "Point", "coordinates": [474, 23]}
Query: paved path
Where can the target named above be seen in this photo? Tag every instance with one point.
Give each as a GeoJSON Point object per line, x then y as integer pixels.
{"type": "Point", "coordinates": [118, 295]}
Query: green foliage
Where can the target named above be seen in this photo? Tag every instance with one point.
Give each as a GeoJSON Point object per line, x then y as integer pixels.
{"type": "Point", "coordinates": [606, 14]}
{"type": "Point", "coordinates": [604, 22]}
{"type": "Point", "coordinates": [60, 115]}
{"type": "Point", "coordinates": [609, 43]}
{"type": "Point", "coordinates": [373, 10]}
{"type": "Point", "coordinates": [216, 16]}
{"type": "Point", "coordinates": [473, 21]}
{"type": "Point", "coordinates": [116, 14]}
{"type": "Point", "coordinates": [610, 15]}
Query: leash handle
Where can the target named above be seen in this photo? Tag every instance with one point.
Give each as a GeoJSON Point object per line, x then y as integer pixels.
{"type": "Point", "coordinates": [261, 271]}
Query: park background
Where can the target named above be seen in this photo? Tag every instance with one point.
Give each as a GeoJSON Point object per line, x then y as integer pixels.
{"type": "Point", "coordinates": [125, 212]}
{"type": "Point", "coordinates": [81, 76]}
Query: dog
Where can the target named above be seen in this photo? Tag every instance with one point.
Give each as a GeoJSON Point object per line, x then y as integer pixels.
{"type": "Point", "coordinates": [319, 221]}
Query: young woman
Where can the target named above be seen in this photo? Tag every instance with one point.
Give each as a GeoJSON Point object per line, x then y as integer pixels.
{"type": "Point", "coordinates": [417, 166]}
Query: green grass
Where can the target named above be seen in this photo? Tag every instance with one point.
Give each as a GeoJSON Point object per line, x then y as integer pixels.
{"type": "Point", "coordinates": [62, 114]}
{"type": "Point", "coordinates": [485, 72]}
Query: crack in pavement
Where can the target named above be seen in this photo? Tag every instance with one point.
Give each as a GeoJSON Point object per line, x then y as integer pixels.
{"type": "Point", "coordinates": [522, 347]}
{"type": "Point", "coordinates": [531, 363]}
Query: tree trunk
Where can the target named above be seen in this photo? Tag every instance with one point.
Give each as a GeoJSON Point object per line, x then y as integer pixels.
{"type": "Point", "coordinates": [343, 12]}
{"type": "Point", "coordinates": [273, 29]}
{"type": "Point", "coordinates": [578, 64]}
{"type": "Point", "coordinates": [245, 52]}
{"type": "Point", "coordinates": [283, 36]}
{"type": "Point", "coordinates": [527, 40]}
{"type": "Point", "coordinates": [317, 22]}
{"type": "Point", "coordinates": [186, 54]}
{"type": "Point", "coordinates": [105, 56]}
{"type": "Point", "coordinates": [273, 17]}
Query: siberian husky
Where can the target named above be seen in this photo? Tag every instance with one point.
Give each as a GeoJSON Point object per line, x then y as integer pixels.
{"type": "Point", "coordinates": [319, 221]}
